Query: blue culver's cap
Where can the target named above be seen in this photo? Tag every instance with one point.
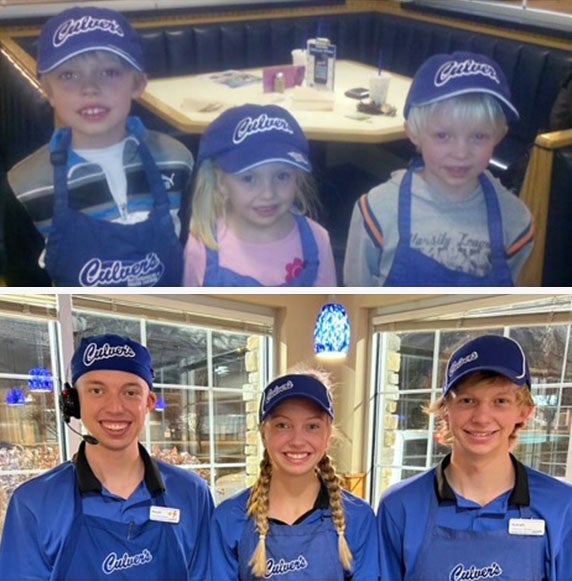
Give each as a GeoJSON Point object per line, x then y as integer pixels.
{"type": "Point", "coordinates": [112, 353]}
{"type": "Point", "coordinates": [443, 76]}
{"type": "Point", "coordinates": [488, 353]}
{"type": "Point", "coordinates": [78, 30]}
{"type": "Point", "coordinates": [295, 385]}
{"type": "Point", "coordinates": [242, 138]}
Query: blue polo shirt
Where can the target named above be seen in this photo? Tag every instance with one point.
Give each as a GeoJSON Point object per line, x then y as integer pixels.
{"type": "Point", "coordinates": [41, 511]}
{"type": "Point", "coordinates": [404, 511]}
{"type": "Point", "coordinates": [230, 527]}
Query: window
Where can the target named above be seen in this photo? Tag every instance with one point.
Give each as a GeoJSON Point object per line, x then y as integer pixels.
{"type": "Point", "coordinates": [408, 376]}
{"type": "Point", "coordinates": [207, 379]}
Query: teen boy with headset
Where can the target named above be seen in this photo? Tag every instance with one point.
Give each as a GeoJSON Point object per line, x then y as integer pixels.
{"type": "Point", "coordinates": [112, 512]}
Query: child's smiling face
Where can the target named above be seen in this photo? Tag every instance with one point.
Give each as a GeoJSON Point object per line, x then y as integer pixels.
{"type": "Point", "coordinates": [455, 151]}
{"type": "Point", "coordinates": [92, 94]}
{"type": "Point", "coordinates": [259, 200]}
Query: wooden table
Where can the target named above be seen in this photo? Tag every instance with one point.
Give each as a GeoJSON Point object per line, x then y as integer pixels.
{"type": "Point", "coordinates": [181, 101]}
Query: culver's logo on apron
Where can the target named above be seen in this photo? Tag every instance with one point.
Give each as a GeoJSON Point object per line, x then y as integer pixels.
{"type": "Point", "coordinates": [472, 573]}
{"type": "Point", "coordinates": [113, 563]}
{"type": "Point", "coordinates": [282, 567]}
{"type": "Point", "coordinates": [145, 272]}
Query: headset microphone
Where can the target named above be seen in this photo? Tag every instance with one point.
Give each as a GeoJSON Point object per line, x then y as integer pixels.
{"type": "Point", "coordinates": [69, 405]}
{"type": "Point", "coordinates": [85, 437]}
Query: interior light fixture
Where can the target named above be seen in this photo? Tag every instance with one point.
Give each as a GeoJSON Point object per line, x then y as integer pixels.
{"type": "Point", "coordinates": [332, 332]}
{"type": "Point", "coordinates": [15, 397]}
{"type": "Point", "coordinates": [41, 380]}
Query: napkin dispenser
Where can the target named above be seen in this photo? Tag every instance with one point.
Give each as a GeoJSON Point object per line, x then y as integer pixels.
{"type": "Point", "coordinates": [293, 76]}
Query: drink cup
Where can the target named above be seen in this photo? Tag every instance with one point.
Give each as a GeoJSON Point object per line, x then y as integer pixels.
{"type": "Point", "coordinates": [299, 57]}
{"type": "Point", "coordinates": [378, 86]}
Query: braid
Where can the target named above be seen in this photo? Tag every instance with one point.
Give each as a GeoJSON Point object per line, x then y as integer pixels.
{"type": "Point", "coordinates": [332, 482]}
{"type": "Point", "coordinates": [257, 507]}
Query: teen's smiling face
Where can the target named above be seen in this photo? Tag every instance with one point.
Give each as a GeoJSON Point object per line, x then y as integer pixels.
{"type": "Point", "coordinates": [296, 436]}
{"type": "Point", "coordinates": [482, 415]}
{"type": "Point", "coordinates": [114, 405]}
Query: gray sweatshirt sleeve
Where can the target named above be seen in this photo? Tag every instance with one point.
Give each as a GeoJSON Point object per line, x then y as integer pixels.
{"type": "Point", "coordinates": [361, 264]}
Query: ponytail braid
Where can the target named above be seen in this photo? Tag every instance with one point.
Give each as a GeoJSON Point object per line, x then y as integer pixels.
{"type": "Point", "coordinates": [257, 507]}
{"type": "Point", "coordinates": [333, 485]}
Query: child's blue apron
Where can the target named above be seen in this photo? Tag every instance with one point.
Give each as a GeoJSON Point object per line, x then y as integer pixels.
{"type": "Point", "coordinates": [85, 251]}
{"type": "Point", "coordinates": [215, 275]}
{"type": "Point", "coordinates": [413, 268]}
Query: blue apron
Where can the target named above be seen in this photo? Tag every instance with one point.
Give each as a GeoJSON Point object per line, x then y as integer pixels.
{"type": "Point", "coordinates": [413, 268]}
{"type": "Point", "coordinates": [308, 550]}
{"type": "Point", "coordinates": [460, 555]}
{"type": "Point", "coordinates": [215, 275]}
{"type": "Point", "coordinates": [84, 251]}
{"type": "Point", "coordinates": [98, 548]}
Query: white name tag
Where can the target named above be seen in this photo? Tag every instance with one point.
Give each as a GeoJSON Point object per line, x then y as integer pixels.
{"type": "Point", "coordinates": [164, 514]}
{"type": "Point", "coordinates": [526, 526]}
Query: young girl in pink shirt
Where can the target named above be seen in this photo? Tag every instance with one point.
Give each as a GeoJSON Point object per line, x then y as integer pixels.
{"type": "Point", "coordinates": [252, 190]}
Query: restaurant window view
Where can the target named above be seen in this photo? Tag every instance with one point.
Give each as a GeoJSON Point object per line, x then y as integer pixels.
{"type": "Point", "coordinates": [408, 366]}
{"type": "Point", "coordinates": [207, 379]}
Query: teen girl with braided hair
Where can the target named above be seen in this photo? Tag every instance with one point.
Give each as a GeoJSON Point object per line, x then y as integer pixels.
{"type": "Point", "coordinates": [296, 522]}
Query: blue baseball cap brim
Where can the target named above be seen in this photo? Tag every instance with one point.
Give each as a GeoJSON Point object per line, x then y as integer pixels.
{"type": "Point", "coordinates": [245, 137]}
{"type": "Point", "coordinates": [444, 76]}
{"type": "Point", "coordinates": [110, 352]}
{"type": "Point", "coordinates": [79, 30]}
{"type": "Point", "coordinates": [494, 353]}
{"type": "Point", "coordinates": [295, 386]}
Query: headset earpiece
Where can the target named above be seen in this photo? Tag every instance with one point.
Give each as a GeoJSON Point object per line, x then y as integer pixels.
{"type": "Point", "coordinates": [69, 403]}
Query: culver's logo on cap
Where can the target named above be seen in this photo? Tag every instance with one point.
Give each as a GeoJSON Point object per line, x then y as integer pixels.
{"type": "Point", "coordinates": [93, 353]}
{"type": "Point", "coordinates": [85, 25]}
{"type": "Point", "coordinates": [456, 365]}
{"type": "Point", "coordinates": [251, 126]}
{"type": "Point", "coordinates": [468, 68]}
{"type": "Point", "coordinates": [272, 393]}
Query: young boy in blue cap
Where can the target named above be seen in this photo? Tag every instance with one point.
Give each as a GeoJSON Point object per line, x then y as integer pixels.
{"type": "Point", "coordinates": [112, 512]}
{"type": "Point", "coordinates": [101, 204]}
{"type": "Point", "coordinates": [445, 221]}
{"type": "Point", "coordinates": [480, 514]}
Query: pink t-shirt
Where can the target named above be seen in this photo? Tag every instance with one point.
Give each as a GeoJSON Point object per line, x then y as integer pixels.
{"type": "Point", "coordinates": [272, 263]}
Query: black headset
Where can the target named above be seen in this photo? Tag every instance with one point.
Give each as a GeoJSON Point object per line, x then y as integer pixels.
{"type": "Point", "coordinates": [69, 403]}
{"type": "Point", "coordinates": [69, 406]}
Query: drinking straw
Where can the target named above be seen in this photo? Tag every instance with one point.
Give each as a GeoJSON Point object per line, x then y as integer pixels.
{"type": "Point", "coordinates": [379, 62]}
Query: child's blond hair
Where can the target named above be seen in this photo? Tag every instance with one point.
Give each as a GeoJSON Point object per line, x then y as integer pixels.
{"type": "Point", "coordinates": [209, 203]}
{"type": "Point", "coordinates": [469, 108]}
{"type": "Point", "coordinates": [257, 506]}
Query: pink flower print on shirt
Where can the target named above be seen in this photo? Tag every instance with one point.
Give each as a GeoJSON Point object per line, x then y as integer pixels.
{"type": "Point", "coordinates": [294, 269]}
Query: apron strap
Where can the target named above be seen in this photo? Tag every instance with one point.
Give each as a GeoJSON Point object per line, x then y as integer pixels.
{"type": "Point", "coordinates": [59, 160]}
